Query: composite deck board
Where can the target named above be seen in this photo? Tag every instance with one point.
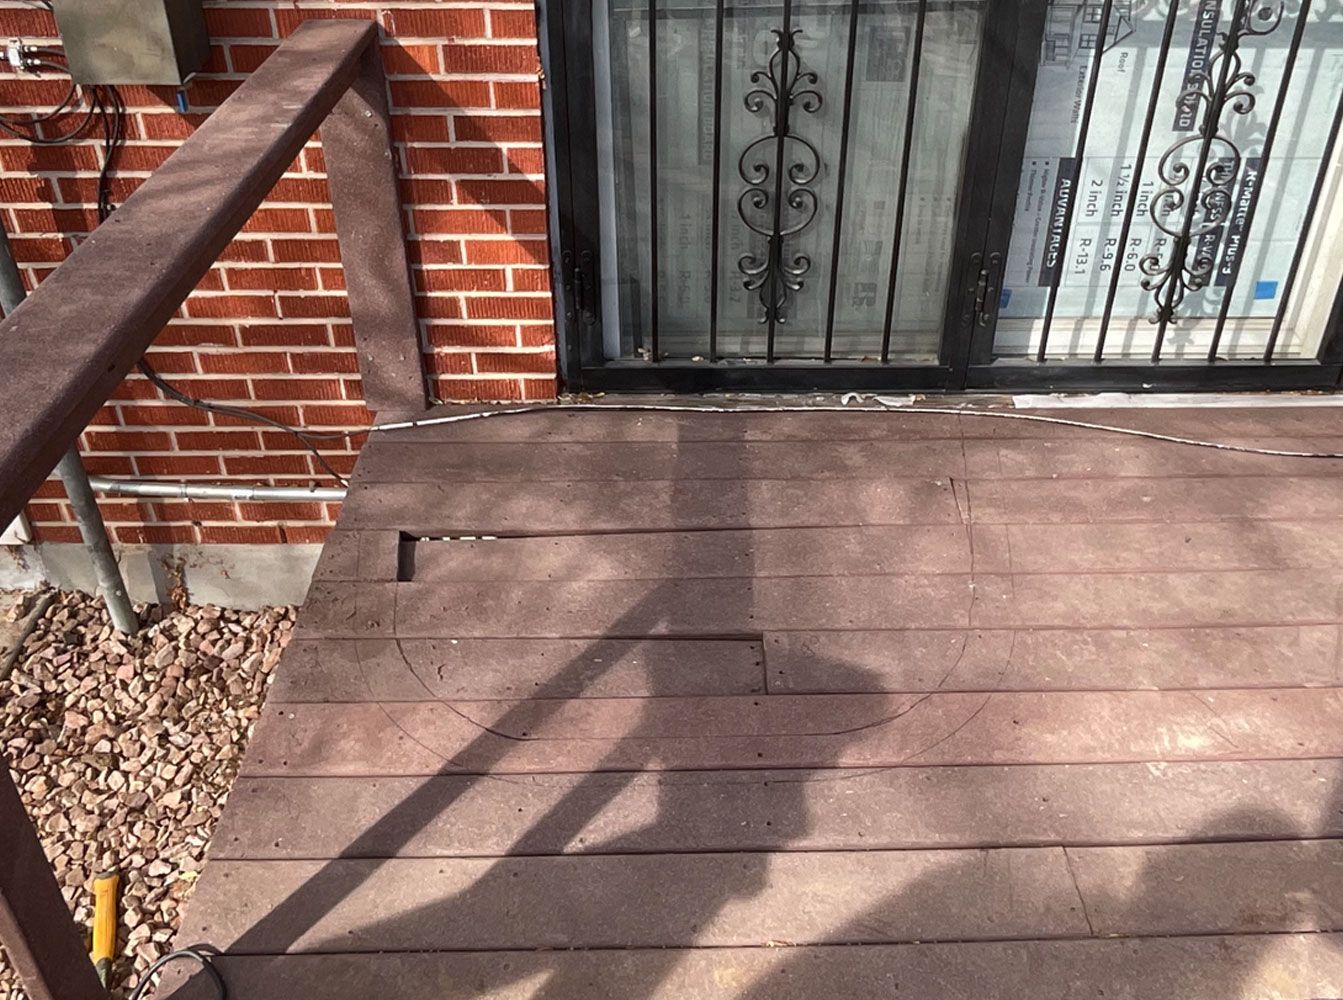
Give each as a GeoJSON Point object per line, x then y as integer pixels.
{"type": "Point", "coordinates": [658, 461]}
{"type": "Point", "coordinates": [727, 606]}
{"type": "Point", "coordinates": [1281, 966]}
{"type": "Point", "coordinates": [1221, 888]}
{"type": "Point", "coordinates": [734, 688]}
{"type": "Point", "coordinates": [1193, 499]}
{"type": "Point", "coordinates": [360, 555]}
{"type": "Point", "coordinates": [384, 555]}
{"type": "Point", "coordinates": [913, 661]}
{"type": "Point", "coordinates": [1052, 659]}
{"type": "Point", "coordinates": [795, 731]}
{"type": "Point", "coordinates": [1094, 548]}
{"type": "Point", "coordinates": [894, 458]}
{"type": "Point", "coordinates": [886, 808]}
{"type": "Point", "coordinates": [583, 507]}
{"type": "Point", "coordinates": [753, 899]}
{"type": "Point", "coordinates": [1124, 457]}
{"type": "Point", "coordinates": [603, 901]}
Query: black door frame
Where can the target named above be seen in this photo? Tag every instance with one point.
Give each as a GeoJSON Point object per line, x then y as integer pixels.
{"type": "Point", "coordinates": [990, 177]}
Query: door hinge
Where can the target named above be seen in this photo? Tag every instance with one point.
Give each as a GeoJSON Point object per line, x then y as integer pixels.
{"type": "Point", "coordinates": [987, 294]}
{"type": "Point", "coordinates": [580, 286]}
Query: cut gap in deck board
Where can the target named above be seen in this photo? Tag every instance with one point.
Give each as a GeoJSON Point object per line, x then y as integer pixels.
{"type": "Point", "coordinates": [458, 556]}
{"type": "Point", "coordinates": [1021, 550]}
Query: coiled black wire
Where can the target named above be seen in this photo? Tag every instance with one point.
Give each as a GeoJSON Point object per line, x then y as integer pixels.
{"type": "Point", "coordinates": [306, 437]}
{"type": "Point", "coordinates": [190, 954]}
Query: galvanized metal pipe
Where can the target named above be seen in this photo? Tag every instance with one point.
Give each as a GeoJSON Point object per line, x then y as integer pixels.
{"type": "Point", "coordinates": [76, 479]}
{"type": "Point", "coordinates": [203, 491]}
{"type": "Point", "coordinates": [94, 533]}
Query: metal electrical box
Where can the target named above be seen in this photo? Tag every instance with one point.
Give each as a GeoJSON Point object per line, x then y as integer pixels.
{"type": "Point", "coordinates": [153, 42]}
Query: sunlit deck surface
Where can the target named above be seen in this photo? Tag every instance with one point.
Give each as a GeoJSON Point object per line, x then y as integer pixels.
{"type": "Point", "coordinates": [805, 706]}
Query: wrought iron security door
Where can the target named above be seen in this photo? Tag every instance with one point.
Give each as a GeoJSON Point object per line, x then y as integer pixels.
{"type": "Point", "coordinates": [947, 193]}
{"type": "Point", "coordinates": [1177, 227]}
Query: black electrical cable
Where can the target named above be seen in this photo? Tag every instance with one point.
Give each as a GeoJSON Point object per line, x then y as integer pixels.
{"type": "Point", "coordinates": [113, 111]}
{"type": "Point", "coordinates": [191, 954]}
{"type": "Point", "coordinates": [114, 136]}
{"type": "Point", "coordinates": [55, 112]}
{"type": "Point", "coordinates": [304, 436]}
{"type": "Point", "coordinates": [115, 130]}
{"type": "Point", "coordinates": [14, 126]}
{"type": "Point", "coordinates": [107, 108]}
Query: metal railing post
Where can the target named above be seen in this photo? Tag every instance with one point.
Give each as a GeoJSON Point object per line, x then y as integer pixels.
{"type": "Point", "coordinates": [370, 230]}
{"type": "Point", "coordinates": [76, 480]}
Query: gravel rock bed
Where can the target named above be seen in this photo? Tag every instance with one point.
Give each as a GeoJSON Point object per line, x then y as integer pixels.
{"type": "Point", "coordinates": [125, 748]}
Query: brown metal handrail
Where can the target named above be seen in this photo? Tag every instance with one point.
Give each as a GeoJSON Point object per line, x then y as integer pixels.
{"type": "Point", "coordinates": [66, 349]}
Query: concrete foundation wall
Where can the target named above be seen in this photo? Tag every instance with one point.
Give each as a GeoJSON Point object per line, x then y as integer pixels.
{"type": "Point", "coordinates": [234, 576]}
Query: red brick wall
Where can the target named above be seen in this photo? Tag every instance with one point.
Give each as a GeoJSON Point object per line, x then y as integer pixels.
{"type": "Point", "coordinates": [268, 326]}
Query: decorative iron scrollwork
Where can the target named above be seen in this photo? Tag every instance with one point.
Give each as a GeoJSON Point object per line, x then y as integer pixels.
{"type": "Point", "coordinates": [780, 87]}
{"type": "Point", "coordinates": [1193, 203]}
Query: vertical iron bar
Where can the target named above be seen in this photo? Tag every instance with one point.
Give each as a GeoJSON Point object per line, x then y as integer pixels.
{"type": "Point", "coordinates": [1326, 161]}
{"type": "Point", "coordinates": [1211, 124]}
{"type": "Point", "coordinates": [910, 110]}
{"type": "Point", "coordinates": [781, 130]}
{"type": "Point", "coordinates": [839, 181]}
{"type": "Point", "coordinates": [653, 175]}
{"type": "Point", "coordinates": [717, 175]}
{"type": "Point", "coordinates": [1135, 185]}
{"type": "Point", "coordinates": [1079, 156]}
{"type": "Point", "coordinates": [1247, 227]}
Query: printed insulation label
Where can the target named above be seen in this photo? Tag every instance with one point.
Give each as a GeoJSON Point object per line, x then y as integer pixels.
{"type": "Point", "coordinates": [1251, 247]}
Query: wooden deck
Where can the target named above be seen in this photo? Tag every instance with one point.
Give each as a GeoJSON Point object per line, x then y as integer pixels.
{"type": "Point", "coordinates": [788, 707]}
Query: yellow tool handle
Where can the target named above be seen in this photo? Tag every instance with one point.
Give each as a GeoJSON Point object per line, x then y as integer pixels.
{"type": "Point", "coordinates": [105, 922]}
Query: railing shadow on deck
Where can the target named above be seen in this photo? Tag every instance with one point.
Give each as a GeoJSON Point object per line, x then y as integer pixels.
{"type": "Point", "coordinates": [67, 348]}
{"type": "Point", "coordinates": [586, 902]}
{"type": "Point", "coordinates": [800, 973]}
